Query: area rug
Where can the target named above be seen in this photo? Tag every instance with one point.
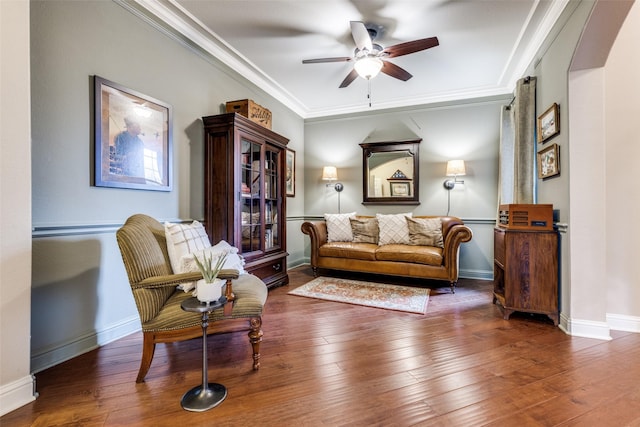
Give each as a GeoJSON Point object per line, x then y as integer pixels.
{"type": "Point", "coordinates": [378, 295]}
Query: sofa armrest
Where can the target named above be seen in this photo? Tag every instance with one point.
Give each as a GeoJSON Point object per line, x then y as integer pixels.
{"type": "Point", "coordinates": [456, 235]}
{"type": "Point", "coordinates": [317, 231]}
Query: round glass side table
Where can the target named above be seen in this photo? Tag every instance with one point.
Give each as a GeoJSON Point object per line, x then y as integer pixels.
{"type": "Point", "coordinates": [207, 395]}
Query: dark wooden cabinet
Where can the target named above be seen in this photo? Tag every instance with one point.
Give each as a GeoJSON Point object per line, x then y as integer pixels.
{"type": "Point", "coordinates": [526, 272]}
{"type": "Point", "coordinates": [244, 192]}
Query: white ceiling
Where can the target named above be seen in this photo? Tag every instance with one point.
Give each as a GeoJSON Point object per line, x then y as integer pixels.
{"type": "Point", "coordinates": [485, 46]}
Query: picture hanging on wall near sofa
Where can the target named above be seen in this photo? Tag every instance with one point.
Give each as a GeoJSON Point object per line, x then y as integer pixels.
{"type": "Point", "coordinates": [549, 123]}
{"type": "Point", "coordinates": [132, 139]}
{"type": "Point", "coordinates": [549, 162]}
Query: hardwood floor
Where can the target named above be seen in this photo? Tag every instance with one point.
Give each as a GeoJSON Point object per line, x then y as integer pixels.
{"type": "Point", "coordinates": [332, 364]}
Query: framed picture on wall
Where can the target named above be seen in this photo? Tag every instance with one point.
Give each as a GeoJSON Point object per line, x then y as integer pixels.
{"type": "Point", "coordinates": [549, 123]}
{"type": "Point", "coordinates": [549, 161]}
{"type": "Point", "coordinates": [132, 139]}
{"type": "Point", "coordinates": [400, 189]}
{"type": "Point", "coordinates": [290, 173]}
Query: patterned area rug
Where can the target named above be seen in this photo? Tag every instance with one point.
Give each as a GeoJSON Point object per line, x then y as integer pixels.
{"type": "Point", "coordinates": [390, 297]}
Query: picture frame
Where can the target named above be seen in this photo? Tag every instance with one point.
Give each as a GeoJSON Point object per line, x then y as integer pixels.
{"type": "Point", "coordinates": [133, 139]}
{"type": "Point", "coordinates": [290, 173]}
{"type": "Point", "coordinates": [400, 189]}
{"type": "Point", "coordinates": [549, 162]}
{"type": "Point", "coordinates": [549, 123]}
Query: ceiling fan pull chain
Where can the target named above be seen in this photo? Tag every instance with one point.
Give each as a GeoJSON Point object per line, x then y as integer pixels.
{"type": "Point", "coordinates": [369, 93]}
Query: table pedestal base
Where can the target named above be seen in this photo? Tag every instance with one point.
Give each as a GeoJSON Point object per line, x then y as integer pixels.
{"type": "Point", "coordinates": [199, 400]}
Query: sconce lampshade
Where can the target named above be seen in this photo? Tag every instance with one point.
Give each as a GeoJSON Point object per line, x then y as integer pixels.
{"type": "Point", "coordinates": [456, 168]}
{"type": "Point", "coordinates": [368, 67]}
{"type": "Point", "coordinates": [329, 173]}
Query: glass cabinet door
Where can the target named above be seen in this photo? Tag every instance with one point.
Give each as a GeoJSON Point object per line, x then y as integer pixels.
{"type": "Point", "coordinates": [271, 199]}
{"type": "Point", "coordinates": [251, 195]}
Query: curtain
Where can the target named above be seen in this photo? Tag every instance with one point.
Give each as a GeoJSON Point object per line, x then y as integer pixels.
{"type": "Point", "coordinates": [516, 158]}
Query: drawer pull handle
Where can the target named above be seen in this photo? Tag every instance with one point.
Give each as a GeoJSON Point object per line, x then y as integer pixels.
{"type": "Point", "coordinates": [276, 267]}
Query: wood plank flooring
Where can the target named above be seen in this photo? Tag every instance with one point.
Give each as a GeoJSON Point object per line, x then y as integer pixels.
{"type": "Point", "coordinates": [332, 364]}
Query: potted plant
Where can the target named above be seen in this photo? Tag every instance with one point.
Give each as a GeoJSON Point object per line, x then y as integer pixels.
{"type": "Point", "coordinates": [209, 288]}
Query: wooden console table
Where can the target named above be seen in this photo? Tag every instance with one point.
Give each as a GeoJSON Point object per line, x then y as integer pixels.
{"type": "Point", "coordinates": [525, 272]}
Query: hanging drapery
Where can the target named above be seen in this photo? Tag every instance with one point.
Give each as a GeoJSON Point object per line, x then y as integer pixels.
{"type": "Point", "coordinates": [505, 156]}
{"type": "Point", "coordinates": [516, 159]}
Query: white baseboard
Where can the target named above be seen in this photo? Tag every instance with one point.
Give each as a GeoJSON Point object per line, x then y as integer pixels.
{"type": "Point", "coordinates": [621, 322]}
{"type": "Point", "coordinates": [46, 358]}
{"type": "Point", "coordinates": [16, 394]}
{"type": "Point", "coordinates": [475, 274]}
{"type": "Point", "coordinates": [585, 328]}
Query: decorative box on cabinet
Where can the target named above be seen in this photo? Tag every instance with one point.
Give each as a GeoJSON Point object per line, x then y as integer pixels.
{"type": "Point", "coordinates": [526, 272]}
{"type": "Point", "coordinates": [244, 192]}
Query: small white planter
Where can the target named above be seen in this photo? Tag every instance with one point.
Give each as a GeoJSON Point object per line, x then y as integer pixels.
{"type": "Point", "coordinates": [207, 292]}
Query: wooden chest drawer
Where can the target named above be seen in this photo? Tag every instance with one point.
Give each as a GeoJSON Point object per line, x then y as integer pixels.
{"type": "Point", "coordinates": [272, 272]}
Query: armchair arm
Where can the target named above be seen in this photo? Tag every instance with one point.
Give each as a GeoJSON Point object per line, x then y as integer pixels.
{"type": "Point", "coordinates": [176, 279]}
{"type": "Point", "coordinates": [228, 275]}
{"type": "Point", "coordinates": [166, 281]}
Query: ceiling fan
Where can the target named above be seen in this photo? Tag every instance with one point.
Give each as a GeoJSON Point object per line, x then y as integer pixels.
{"type": "Point", "coordinates": [370, 57]}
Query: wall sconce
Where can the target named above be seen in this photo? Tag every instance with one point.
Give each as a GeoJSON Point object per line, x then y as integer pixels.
{"type": "Point", "coordinates": [330, 173]}
{"type": "Point", "coordinates": [455, 168]}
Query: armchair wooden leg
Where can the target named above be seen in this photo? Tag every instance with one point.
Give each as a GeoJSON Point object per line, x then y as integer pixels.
{"type": "Point", "coordinates": [255, 338]}
{"type": "Point", "coordinates": [315, 271]}
{"type": "Point", "coordinates": [453, 287]}
{"type": "Point", "coordinates": [148, 348]}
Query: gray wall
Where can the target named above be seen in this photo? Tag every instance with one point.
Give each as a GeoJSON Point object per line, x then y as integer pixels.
{"type": "Point", "coordinates": [81, 296]}
{"type": "Point", "coordinates": [16, 382]}
{"type": "Point", "coordinates": [552, 69]}
{"type": "Point", "coordinates": [467, 131]}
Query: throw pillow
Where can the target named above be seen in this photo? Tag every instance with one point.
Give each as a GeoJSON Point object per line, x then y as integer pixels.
{"type": "Point", "coordinates": [393, 229]}
{"type": "Point", "coordinates": [183, 239]}
{"type": "Point", "coordinates": [234, 261]}
{"type": "Point", "coordinates": [339, 227]}
{"type": "Point", "coordinates": [364, 230]}
{"type": "Point", "coordinates": [425, 232]}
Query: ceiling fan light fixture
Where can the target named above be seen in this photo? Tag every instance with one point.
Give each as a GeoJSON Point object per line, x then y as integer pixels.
{"type": "Point", "coordinates": [368, 67]}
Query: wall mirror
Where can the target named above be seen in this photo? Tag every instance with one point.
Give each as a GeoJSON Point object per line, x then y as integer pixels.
{"type": "Point", "coordinates": [390, 174]}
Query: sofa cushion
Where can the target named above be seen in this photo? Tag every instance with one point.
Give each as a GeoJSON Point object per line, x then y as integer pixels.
{"type": "Point", "coordinates": [425, 232]}
{"type": "Point", "coordinates": [366, 251]}
{"type": "Point", "coordinates": [393, 229]}
{"type": "Point", "coordinates": [429, 255]}
{"type": "Point", "coordinates": [364, 230]}
{"type": "Point", "coordinates": [339, 227]}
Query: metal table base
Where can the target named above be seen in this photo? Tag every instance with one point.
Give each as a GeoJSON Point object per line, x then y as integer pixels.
{"type": "Point", "coordinates": [207, 395]}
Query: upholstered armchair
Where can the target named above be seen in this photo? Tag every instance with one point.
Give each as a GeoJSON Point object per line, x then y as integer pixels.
{"type": "Point", "coordinates": [143, 247]}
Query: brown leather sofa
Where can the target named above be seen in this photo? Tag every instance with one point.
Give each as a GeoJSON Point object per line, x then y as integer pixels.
{"type": "Point", "coordinates": [426, 262]}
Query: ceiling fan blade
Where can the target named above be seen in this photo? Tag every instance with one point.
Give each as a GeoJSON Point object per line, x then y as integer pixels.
{"type": "Point", "coordinates": [361, 35]}
{"type": "Point", "coordinates": [393, 70]}
{"type": "Point", "coordinates": [350, 78]}
{"type": "Point", "coordinates": [321, 60]}
{"type": "Point", "coordinates": [410, 47]}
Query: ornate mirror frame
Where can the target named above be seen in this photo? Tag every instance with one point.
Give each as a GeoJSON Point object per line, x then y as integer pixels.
{"type": "Point", "coordinates": [401, 183]}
